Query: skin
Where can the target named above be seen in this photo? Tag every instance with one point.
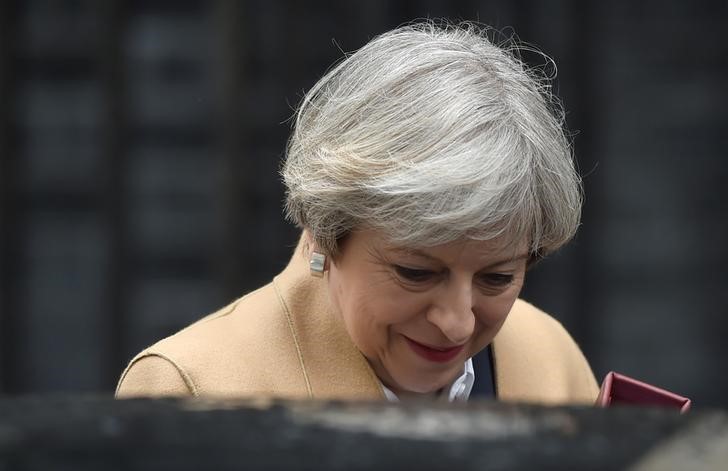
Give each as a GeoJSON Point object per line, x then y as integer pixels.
{"type": "Point", "coordinates": [455, 294]}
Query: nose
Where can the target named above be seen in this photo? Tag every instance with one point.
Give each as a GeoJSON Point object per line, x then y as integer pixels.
{"type": "Point", "coordinates": [452, 312]}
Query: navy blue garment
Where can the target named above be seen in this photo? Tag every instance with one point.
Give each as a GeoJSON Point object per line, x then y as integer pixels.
{"type": "Point", "coordinates": [484, 385]}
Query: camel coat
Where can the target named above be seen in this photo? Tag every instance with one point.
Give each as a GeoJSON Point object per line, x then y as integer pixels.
{"type": "Point", "coordinates": [283, 340]}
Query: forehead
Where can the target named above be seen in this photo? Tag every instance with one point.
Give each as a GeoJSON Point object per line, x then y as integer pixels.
{"type": "Point", "coordinates": [481, 251]}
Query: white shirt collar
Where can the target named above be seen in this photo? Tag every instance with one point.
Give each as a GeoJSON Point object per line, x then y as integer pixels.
{"type": "Point", "coordinates": [459, 390]}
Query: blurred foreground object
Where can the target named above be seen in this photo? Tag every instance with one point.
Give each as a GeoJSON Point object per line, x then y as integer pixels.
{"type": "Point", "coordinates": [38, 433]}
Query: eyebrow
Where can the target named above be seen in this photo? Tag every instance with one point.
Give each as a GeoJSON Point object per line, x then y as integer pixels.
{"type": "Point", "coordinates": [420, 253]}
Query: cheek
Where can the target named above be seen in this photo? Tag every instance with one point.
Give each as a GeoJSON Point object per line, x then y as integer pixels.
{"type": "Point", "coordinates": [492, 312]}
{"type": "Point", "coordinates": [371, 309]}
{"type": "Point", "coordinates": [380, 305]}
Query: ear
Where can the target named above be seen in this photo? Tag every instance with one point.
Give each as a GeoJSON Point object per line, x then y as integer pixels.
{"type": "Point", "coordinates": [308, 236]}
{"type": "Point", "coordinates": [310, 245]}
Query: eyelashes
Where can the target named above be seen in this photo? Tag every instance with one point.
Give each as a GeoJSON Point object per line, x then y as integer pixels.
{"type": "Point", "coordinates": [498, 279]}
{"type": "Point", "coordinates": [414, 274]}
{"type": "Point", "coordinates": [421, 276]}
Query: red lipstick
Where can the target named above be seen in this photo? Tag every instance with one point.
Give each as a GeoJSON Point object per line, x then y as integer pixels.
{"type": "Point", "coordinates": [438, 355]}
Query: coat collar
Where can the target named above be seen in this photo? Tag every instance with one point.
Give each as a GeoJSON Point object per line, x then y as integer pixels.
{"type": "Point", "coordinates": [333, 367]}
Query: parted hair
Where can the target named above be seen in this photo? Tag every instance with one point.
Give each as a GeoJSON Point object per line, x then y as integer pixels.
{"type": "Point", "coordinates": [432, 133]}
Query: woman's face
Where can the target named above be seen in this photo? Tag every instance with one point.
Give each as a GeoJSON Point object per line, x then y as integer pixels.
{"type": "Point", "coordinates": [418, 314]}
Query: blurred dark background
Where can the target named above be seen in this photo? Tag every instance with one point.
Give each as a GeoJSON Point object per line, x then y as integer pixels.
{"type": "Point", "coordinates": [140, 142]}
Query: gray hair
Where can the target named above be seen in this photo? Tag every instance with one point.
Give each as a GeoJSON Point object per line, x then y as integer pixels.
{"type": "Point", "coordinates": [432, 134]}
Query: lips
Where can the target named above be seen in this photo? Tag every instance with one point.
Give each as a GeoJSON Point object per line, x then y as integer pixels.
{"type": "Point", "coordinates": [435, 354]}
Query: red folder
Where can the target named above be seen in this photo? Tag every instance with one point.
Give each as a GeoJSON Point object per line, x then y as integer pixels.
{"type": "Point", "coordinates": [619, 389]}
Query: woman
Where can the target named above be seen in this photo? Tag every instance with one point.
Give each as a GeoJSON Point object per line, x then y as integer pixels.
{"type": "Point", "coordinates": [427, 171]}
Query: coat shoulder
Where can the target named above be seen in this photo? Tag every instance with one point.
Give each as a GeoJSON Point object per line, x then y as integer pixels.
{"type": "Point", "coordinates": [243, 349]}
{"type": "Point", "coordinates": [154, 375]}
{"type": "Point", "coordinates": [538, 360]}
{"type": "Point", "coordinates": [529, 320]}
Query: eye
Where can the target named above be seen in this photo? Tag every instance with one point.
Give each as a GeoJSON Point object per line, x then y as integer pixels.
{"type": "Point", "coordinates": [497, 280]}
{"type": "Point", "coordinates": [413, 274]}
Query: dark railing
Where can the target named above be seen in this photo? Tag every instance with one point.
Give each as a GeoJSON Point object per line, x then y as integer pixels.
{"type": "Point", "coordinates": [9, 221]}
{"type": "Point", "coordinates": [39, 433]}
